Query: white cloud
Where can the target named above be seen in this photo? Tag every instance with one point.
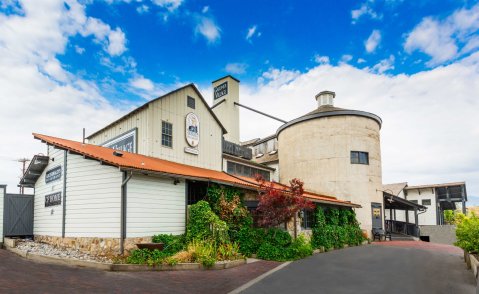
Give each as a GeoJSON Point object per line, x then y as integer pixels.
{"type": "Point", "coordinates": [236, 68]}
{"type": "Point", "coordinates": [421, 124]}
{"type": "Point", "coordinates": [142, 83]}
{"type": "Point", "coordinates": [384, 65]}
{"type": "Point", "coordinates": [142, 9]}
{"type": "Point", "coordinates": [364, 10]}
{"type": "Point", "coordinates": [206, 27]}
{"type": "Point", "coordinates": [373, 41]}
{"type": "Point", "coordinates": [442, 39]}
{"type": "Point", "coordinates": [205, 9]}
{"type": "Point", "coordinates": [170, 5]}
{"type": "Point", "coordinates": [346, 58]}
{"type": "Point", "coordinates": [79, 50]}
{"type": "Point", "coordinates": [251, 33]}
{"type": "Point", "coordinates": [321, 59]}
{"type": "Point", "coordinates": [116, 42]}
{"type": "Point", "coordinates": [53, 100]}
{"type": "Point", "coordinates": [361, 60]}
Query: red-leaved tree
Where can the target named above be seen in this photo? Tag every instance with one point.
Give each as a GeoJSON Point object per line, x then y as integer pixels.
{"type": "Point", "coordinates": [276, 205]}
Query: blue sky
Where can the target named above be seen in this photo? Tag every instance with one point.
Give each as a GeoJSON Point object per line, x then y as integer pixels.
{"type": "Point", "coordinates": [71, 64]}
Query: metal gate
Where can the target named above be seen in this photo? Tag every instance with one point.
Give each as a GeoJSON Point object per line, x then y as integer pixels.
{"type": "Point", "coordinates": [18, 215]}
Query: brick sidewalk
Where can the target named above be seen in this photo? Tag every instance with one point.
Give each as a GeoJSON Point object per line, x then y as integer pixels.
{"type": "Point", "coordinates": [18, 275]}
{"type": "Point", "coordinates": [424, 245]}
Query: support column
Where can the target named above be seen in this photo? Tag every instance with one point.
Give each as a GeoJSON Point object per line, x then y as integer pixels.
{"type": "Point", "coordinates": [463, 196]}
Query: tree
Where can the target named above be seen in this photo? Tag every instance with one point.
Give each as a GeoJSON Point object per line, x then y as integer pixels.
{"type": "Point", "coordinates": [277, 206]}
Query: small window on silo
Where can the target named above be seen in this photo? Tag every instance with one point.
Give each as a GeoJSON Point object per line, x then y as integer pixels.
{"type": "Point", "coordinates": [190, 102]}
{"type": "Point", "coordinates": [358, 157]}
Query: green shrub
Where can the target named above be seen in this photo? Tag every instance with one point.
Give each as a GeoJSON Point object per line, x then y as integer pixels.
{"type": "Point", "coordinates": [250, 239]}
{"type": "Point", "coordinates": [467, 233]}
{"type": "Point", "coordinates": [449, 216]}
{"type": "Point", "coordinates": [172, 243]}
{"type": "Point", "coordinates": [205, 224]}
{"type": "Point", "coordinates": [145, 256]}
{"type": "Point", "coordinates": [299, 248]}
{"type": "Point", "coordinates": [277, 237]}
{"type": "Point", "coordinates": [269, 251]}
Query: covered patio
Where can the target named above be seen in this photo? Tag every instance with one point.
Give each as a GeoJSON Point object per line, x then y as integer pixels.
{"type": "Point", "coordinates": [408, 227]}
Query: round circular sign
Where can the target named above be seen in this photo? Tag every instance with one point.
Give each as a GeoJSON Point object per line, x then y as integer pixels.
{"type": "Point", "coordinates": [192, 129]}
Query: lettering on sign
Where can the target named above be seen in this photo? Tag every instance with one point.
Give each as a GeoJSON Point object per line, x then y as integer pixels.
{"type": "Point", "coordinates": [124, 142]}
{"type": "Point", "coordinates": [221, 90]}
{"type": "Point", "coordinates": [53, 199]}
{"type": "Point", "coordinates": [53, 174]}
{"type": "Point", "coordinates": [192, 130]}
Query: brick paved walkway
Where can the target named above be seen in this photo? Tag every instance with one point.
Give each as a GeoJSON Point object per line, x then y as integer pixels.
{"type": "Point", "coordinates": [18, 275]}
{"type": "Point", "coordinates": [424, 245]}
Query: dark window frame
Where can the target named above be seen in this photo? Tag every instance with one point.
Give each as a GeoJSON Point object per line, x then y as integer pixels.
{"type": "Point", "coordinates": [359, 157]}
{"type": "Point", "coordinates": [166, 134]}
{"type": "Point", "coordinates": [426, 202]}
{"type": "Point", "coordinates": [190, 102]}
{"type": "Point", "coordinates": [307, 220]}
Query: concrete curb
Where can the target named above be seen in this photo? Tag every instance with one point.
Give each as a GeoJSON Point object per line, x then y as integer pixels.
{"type": "Point", "coordinates": [124, 267]}
{"type": "Point", "coordinates": [257, 279]}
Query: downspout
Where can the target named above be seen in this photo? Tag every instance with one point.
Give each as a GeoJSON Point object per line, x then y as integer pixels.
{"type": "Point", "coordinates": [65, 154]}
{"type": "Point", "coordinates": [126, 178]}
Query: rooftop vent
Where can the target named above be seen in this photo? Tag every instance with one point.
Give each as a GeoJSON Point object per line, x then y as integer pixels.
{"type": "Point", "coordinates": [325, 98]}
{"type": "Point", "coordinates": [117, 153]}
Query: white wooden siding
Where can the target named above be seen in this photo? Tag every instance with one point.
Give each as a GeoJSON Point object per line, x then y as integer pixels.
{"type": "Point", "coordinates": [154, 205]}
{"type": "Point", "coordinates": [48, 220]}
{"type": "Point", "coordinates": [93, 199]}
{"type": "Point", "coordinates": [172, 109]}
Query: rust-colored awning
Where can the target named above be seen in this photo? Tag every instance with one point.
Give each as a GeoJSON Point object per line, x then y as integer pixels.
{"type": "Point", "coordinates": [138, 162]}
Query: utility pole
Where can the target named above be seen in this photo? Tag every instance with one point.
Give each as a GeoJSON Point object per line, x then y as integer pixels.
{"type": "Point", "coordinates": [24, 167]}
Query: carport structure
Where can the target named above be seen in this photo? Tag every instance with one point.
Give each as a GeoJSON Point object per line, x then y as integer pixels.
{"type": "Point", "coordinates": [394, 203]}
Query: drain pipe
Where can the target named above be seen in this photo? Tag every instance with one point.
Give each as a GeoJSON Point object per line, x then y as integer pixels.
{"type": "Point", "coordinates": [126, 178]}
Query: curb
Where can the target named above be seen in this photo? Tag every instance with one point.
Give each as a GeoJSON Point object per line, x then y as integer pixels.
{"type": "Point", "coordinates": [124, 267]}
{"type": "Point", "coordinates": [257, 279]}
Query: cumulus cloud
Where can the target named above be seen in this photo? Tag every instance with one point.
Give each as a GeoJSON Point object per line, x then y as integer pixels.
{"type": "Point", "coordinates": [114, 41]}
{"type": "Point", "coordinates": [442, 39]}
{"type": "Point", "coordinates": [207, 28]}
{"type": "Point", "coordinates": [365, 10]}
{"type": "Point", "coordinates": [373, 41]}
{"type": "Point", "coordinates": [236, 68]}
{"type": "Point", "coordinates": [384, 65]}
{"type": "Point", "coordinates": [142, 9]}
{"type": "Point", "coordinates": [421, 124]}
{"type": "Point", "coordinates": [142, 83]}
{"type": "Point", "coordinates": [37, 93]}
{"type": "Point", "coordinates": [170, 5]}
{"type": "Point", "coordinates": [321, 59]}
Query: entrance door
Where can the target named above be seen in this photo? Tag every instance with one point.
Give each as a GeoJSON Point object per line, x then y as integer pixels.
{"type": "Point", "coordinates": [18, 215]}
{"type": "Point", "coordinates": [377, 215]}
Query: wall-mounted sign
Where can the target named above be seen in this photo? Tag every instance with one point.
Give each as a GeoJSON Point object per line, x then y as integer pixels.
{"type": "Point", "coordinates": [376, 212]}
{"type": "Point", "coordinates": [192, 129]}
{"type": "Point", "coordinates": [53, 174]}
{"type": "Point", "coordinates": [221, 90]}
{"type": "Point", "coordinates": [53, 199]}
{"type": "Point", "coordinates": [124, 142]}
{"type": "Point", "coordinates": [192, 150]}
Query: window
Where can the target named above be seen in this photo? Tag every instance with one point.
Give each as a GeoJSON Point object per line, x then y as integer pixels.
{"type": "Point", "coordinates": [190, 102]}
{"type": "Point", "coordinates": [246, 170]}
{"type": "Point", "coordinates": [358, 157]}
{"type": "Point", "coordinates": [413, 201]}
{"type": "Point", "coordinates": [426, 202]}
{"type": "Point", "coordinates": [307, 218]}
{"type": "Point", "coordinates": [166, 134]}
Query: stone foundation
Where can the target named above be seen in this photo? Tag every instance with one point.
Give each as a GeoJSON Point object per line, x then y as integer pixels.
{"type": "Point", "coordinates": [93, 245]}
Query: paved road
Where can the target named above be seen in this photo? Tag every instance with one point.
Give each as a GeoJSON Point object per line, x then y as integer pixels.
{"type": "Point", "coordinates": [389, 267]}
{"type": "Point", "coordinates": [18, 275]}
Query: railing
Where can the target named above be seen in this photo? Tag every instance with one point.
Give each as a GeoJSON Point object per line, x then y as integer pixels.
{"type": "Point", "coordinates": [237, 150]}
{"type": "Point", "coordinates": [402, 228]}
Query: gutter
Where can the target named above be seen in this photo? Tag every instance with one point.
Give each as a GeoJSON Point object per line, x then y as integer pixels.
{"type": "Point", "coordinates": [126, 178]}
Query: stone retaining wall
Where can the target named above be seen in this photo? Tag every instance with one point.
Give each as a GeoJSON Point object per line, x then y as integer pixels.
{"type": "Point", "coordinates": [443, 234]}
{"type": "Point", "coordinates": [93, 245]}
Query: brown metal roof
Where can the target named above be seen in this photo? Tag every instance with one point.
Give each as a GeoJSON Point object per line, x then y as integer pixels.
{"type": "Point", "coordinates": [436, 185]}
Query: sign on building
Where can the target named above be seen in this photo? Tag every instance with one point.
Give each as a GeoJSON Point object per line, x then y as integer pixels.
{"type": "Point", "coordinates": [53, 199]}
{"type": "Point", "coordinates": [53, 174]}
{"type": "Point", "coordinates": [192, 131]}
{"type": "Point", "coordinates": [124, 142]}
{"type": "Point", "coordinates": [221, 90]}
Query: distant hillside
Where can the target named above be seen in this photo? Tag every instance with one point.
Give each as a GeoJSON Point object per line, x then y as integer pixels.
{"type": "Point", "coordinates": [474, 209]}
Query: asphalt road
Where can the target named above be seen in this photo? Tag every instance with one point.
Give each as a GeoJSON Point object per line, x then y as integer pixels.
{"type": "Point", "coordinates": [375, 269]}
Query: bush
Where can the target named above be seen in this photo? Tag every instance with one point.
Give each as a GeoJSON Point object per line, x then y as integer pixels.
{"type": "Point", "coordinates": [467, 233]}
{"type": "Point", "coordinates": [172, 243]}
{"type": "Point", "coordinates": [269, 251]}
{"type": "Point", "coordinates": [250, 239]}
{"type": "Point", "coordinates": [145, 256]}
{"type": "Point", "coordinates": [205, 224]}
{"type": "Point", "coordinates": [299, 248]}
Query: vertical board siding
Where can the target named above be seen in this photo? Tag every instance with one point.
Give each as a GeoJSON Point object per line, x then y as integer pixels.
{"type": "Point", "coordinates": [154, 205]}
{"type": "Point", "coordinates": [172, 108]}
{"type": "Point", "coordinates": [93, 199]}
{"type": "Point", "coordinates": [48, 220]}
{"type": "Point", "coordinates": [2, 198]}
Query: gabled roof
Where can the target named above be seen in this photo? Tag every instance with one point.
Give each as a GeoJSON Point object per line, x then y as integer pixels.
{"type": "Point", "coordinates": [436, 185]}
{"type": "Point", "coordinates": [395, 188]}
{"type": "Point", "coordinates": [158, 98]}
{"type": "Point", "coordinates": [137, 162]}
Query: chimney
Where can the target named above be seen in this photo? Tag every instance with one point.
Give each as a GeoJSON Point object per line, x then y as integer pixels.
{"type": "Point", "coordinates": [325, 98]}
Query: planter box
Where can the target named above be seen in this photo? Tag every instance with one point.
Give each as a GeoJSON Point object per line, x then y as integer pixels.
{"type": "Point", "coordinates": [474, 265]}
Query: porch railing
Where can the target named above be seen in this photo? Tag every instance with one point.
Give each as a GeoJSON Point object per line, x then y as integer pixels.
{"type": "Point", "coordinates": [399, 227]}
